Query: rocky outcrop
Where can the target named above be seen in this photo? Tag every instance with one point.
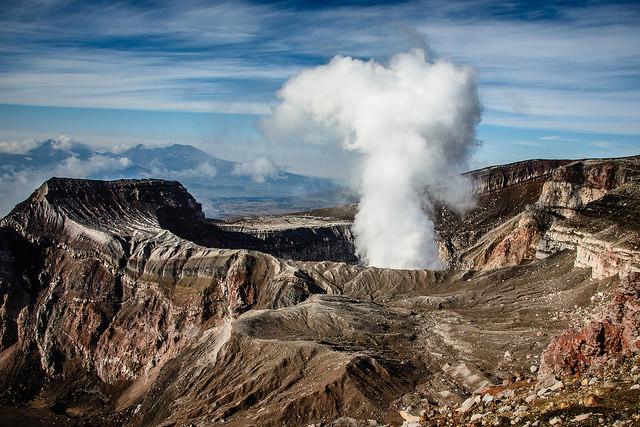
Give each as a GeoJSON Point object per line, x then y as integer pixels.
{"type": "Point", "coordinates": [511, 244]}
{"type": "Point", "coordinates": [304, 237]}
{"type": "Point", "coordinates": [607, 252]}
{"type": "Point", "coordinates": [489, 235]}
{"type": "Point", "coordinates": [585, 206]}
{"type": "Point", "coordinates": [497, 178]}
{"type": "Point", "coordinates": [596, 205]}
{"type": "Point", "coordinates": [573, 186]}
{"type": "Point", "coordinates": [614, 331]}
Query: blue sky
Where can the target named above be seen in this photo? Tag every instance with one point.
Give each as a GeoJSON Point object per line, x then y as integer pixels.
{"type": "Point", "coordinates": [556, 79]}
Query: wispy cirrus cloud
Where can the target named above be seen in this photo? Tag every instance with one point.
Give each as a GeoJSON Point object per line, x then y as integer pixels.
{"type": "Point", "coordinates": [542, 65]}
{"type": "Point", "coordinates": [530, 143]}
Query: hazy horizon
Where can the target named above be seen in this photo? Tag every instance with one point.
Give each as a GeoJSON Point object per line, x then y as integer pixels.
{"type": "Point", "coordinates": [555, 79]}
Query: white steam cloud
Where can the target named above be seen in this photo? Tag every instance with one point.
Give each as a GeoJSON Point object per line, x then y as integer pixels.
{"type": "Point", "coordinates": [202, 170]}
{"type": "Point", "coordinates": [412, 120]}
{"type": "Point", "coordinates": [259, 168]}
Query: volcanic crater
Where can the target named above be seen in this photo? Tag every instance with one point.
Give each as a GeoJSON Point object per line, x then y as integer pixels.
{"type": "Point", "coordinates": [121, 304]}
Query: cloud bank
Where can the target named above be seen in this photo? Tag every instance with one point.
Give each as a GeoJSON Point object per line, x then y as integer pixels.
{"type": "Point", "coordinates": [18, 147]}
{"type": "Point", "coordinates": [259, 168]}
{"type": "Point", "coordinates": [412, 120]}
{"type": "Point", "coordinates": [16, 185]}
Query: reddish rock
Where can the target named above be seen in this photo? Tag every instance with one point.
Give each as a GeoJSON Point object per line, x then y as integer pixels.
{"type": "Point", "coordinates": [616, 332]}
{"type": "Point", "coordinates": [238, 286]}
{"type": "Point", "coordinates": [517, 247]}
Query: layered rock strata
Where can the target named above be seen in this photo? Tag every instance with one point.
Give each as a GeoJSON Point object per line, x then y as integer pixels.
{"type": "Point", "coordinates": [308, 236]}
{"type": "Point", "coordinates": [588, 206]}
{"type": "Point", "coordinates": [121, 303]}
{"type": "Point", "coordinates": [595, 205]}
{"type": "Point", "coordinates": [497, 178]}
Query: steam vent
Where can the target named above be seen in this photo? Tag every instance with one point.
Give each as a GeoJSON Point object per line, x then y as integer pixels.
{"type": "Point", "coordinates": [122, 304]}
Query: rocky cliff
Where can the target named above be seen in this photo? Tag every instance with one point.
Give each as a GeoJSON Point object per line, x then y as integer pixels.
{"type": "Point", "coordinates": [497, 178]}
{"type": "Point", "coordinates": [595, 204]}
{"type": "Point", "coordinates": [122, 304]}
{"type": "Point", "coordinates": [498, 231]}
{"type": "Point", "coordinates": [320, 235]}
{"type": "Point", "coordinates": [588, 206]}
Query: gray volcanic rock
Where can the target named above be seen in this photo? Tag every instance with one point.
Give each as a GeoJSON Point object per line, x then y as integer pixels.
{"type": "Point", "coordinates": [121, 303]}
{"type": "Point", "coordinates": [497, 178]}
{"type": "Point", "coordinates": [309, 236]}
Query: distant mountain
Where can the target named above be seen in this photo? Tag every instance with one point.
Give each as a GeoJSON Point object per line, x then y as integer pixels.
{"type": "Point", "coordinates": [45, 154]}
{"type": "Point", "coordinates": [224, 187]}
{"type": "Point", "coordinates": [175, 158]}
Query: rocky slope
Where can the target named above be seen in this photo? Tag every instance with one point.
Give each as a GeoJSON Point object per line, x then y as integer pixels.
{"type": "Point", "coordinates": [122, 304]}
{"type": "Point", "coordinates": [311, 236]}
{"type": "Point", "coordinates": [588, 206]}
{"type": "Point", "coordinates": [497, 231]}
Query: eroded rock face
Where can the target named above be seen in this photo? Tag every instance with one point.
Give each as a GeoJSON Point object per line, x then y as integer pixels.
{"type": "Point", "coordinates": [573, 186]}
{"type": "Point", "coordinates": [19, 266]}
{"type": "Point", "coordinates": [497, 178]}
{"type": "Point", "coordinates": [122, 303]}
{"type": "Point", "coordinates": [600, 223]}
{"type": "Point", "coordinates": [588, 206]}
{"type": "Point", "coordinates": [614, 331]}
{"type": "Point", "coordinates": [304, 237]}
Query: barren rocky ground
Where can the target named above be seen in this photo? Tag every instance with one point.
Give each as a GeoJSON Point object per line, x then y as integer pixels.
{"type": "Point", "coordinates": [123, 304]}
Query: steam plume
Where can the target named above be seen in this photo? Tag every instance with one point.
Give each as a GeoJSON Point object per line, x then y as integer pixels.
{"type": "Point", "coordinates": [412, 120]}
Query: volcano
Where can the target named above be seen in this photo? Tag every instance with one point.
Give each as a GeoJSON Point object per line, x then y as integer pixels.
{"type": "Point", "coordinates": [121, 303]}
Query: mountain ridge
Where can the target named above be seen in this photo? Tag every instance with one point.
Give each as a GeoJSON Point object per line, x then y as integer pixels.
{"type": "Point", "coordinates": [216, 182]}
